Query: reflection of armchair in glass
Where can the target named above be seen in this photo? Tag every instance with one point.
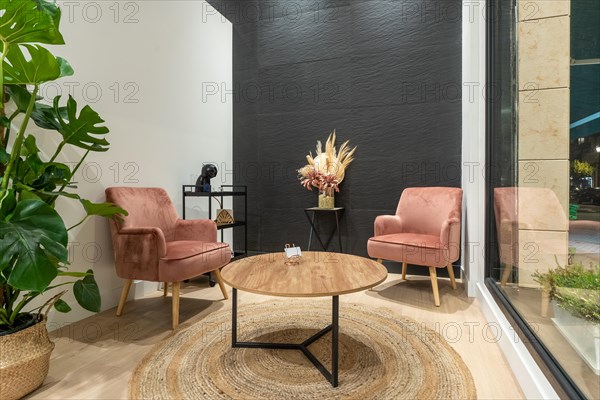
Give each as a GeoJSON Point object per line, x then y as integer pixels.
{"type": "Point", "coordinates": [532, 229]}
{"type": "Point", "coordinates": [507, 229]}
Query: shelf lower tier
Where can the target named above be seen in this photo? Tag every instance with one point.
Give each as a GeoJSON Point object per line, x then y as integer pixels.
{"type": "Point", "coordinates": [233, 225]}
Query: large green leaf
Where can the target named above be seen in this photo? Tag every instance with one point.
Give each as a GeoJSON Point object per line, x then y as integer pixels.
{"type": "Point", "coordinates": [45, 194]}
{"type": "Point", "coordinates": [73, 274]}
{"type": "Point", "coordinates": [54, 174]}
{"type": "Point", "coordinates": [36, 179]}
{"type": "Point", "coordinates": [45, 116]}
{"type": "Point", "coordinates": [62, 306]}
{"type": "Point", "coordinates": [32, 174]}
{"type": "Point", "coordinates": [19, 95]}
{"type": "Point", "coordinates": [29, 167]}
{"type": "Point", "coordinates": [29, 21]}
{"type": "Point", "coordinates": [87, 293]}
{"type": "Point", "coordinates": [79, 130]}
{"type": "Point", "coordinates": [5, 123]}
{"type": "Point", "coordinates": [34, 238]}
{"type": "Point", "coordinates": [28, 195]}
{"type": "Point", "coordinates": [35, 173]}
{"type": "Point", "coordinates": [4, 156]}
{"type": "Point", "coordinates": [41, 67]}
{"type": "Point", "coordinates": [83, 131]}
{"type": "Point", "coordinates": [105, 210]}
{"type": "Point", "coordinates": [8, 202]}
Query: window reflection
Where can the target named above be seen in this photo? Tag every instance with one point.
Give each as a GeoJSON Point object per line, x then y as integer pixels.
{"type": "Point", "coordinates": [544, 180]}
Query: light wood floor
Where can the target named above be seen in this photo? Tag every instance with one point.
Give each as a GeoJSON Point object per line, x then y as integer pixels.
{"type": "Point", "coordinates": [94, 359]}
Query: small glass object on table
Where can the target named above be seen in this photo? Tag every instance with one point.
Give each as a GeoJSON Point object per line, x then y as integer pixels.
{"type": "Point", "coordinates": [292, 254]}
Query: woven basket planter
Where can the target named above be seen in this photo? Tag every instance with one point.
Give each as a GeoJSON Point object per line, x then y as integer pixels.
{"type": "Point", "coordinates": [24, 361]}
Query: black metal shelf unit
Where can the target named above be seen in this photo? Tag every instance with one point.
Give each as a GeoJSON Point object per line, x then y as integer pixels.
{"type": "Point", "coordinates": [226, 191]}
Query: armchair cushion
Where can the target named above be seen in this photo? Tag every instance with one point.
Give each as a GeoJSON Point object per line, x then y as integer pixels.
{"type": "Point", "coordinates": [181, 249]}
{"type": "Point", "coordinates": [412, 248]}
{"type": "Point", "coordinates": [175, 270]}
{"type": "Point", "coordinates": [411, 239]}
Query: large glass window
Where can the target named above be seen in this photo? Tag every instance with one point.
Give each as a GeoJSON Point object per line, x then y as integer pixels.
{"type": "Point", "coordinates": [543, 217]}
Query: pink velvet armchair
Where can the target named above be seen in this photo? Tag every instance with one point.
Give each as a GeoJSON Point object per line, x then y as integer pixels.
{"type": "Point", "coordinates": [425, 231]}
{"type": "Point", "coordinates": [153, 244]}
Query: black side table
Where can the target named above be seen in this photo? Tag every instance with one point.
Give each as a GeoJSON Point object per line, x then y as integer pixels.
{"type": "Point", "coordinates": [337, 212]}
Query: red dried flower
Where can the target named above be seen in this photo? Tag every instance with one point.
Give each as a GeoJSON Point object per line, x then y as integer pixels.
{"type": "Point", "coordinates": [322, 181]}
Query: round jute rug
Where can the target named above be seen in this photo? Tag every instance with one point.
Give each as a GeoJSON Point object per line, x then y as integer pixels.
{"type": "Point", "coordinates": [382, 356]}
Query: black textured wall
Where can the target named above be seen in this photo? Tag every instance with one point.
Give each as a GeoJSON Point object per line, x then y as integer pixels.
{"type": "Point", "coordinates": [384, 74]}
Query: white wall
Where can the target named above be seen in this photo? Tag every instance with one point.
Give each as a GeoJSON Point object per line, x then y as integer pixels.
{"type": "Point", "coordinates": [159, 54]}
{"type": "Point", "coordinates": [473, 142]}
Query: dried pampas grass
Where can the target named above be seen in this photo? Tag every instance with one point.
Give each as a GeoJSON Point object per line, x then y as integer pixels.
{"type": "Point", "coordinates": [331, 161]}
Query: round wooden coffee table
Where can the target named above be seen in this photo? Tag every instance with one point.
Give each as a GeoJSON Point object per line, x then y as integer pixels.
{"type": "Point", "coordinates": [318, 274]}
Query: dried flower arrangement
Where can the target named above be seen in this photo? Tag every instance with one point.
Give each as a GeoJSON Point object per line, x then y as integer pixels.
{"type": "Point", "coordinates": [326, 170]}
{"type": "Point", "coordinates": [326, 182]}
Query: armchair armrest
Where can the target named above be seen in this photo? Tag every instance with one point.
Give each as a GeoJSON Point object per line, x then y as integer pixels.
{"type": "Point", "coordinates": [450, 238]}
{"type": "Point", "coordinates": [196, 229]}
{"type": "Point", "coordinates": [387, 224]}
{"type": "Point", "coordinates": [450, 232]}
{"type": "Point", "coordinates": [134, 238]}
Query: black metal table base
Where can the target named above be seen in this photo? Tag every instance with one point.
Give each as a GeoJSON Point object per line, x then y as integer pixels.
{"type": "Point", "coordinates": [331, 376]}
{"type": "Point", "coordinates": [338, 211]}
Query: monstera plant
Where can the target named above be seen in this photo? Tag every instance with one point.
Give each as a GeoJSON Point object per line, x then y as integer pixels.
{"type": "Point", "coordinates": [33, 236]}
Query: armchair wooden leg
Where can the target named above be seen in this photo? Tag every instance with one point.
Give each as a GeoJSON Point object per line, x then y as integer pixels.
{"type": "Point", "coordinates": [175, 300]}
{"type": "Point", "coordinates": [451, 273]}
{"type": "Point", "coordinates": [404, 271]}
{"type": "Point", "coordinates": [434, 285]}
{"type": "Point", "coordinates": [506, 272]}
{"type": "Point", "coordinates": [124, 294]}
{"type": "Point", "coordinates": [545, 303]}
{"type": "Point", "coordinates": [217, 273]}
{"type": "Point", "coordinates": [165, 289]}
{"type": "Point", "coordinates": [379, 260]}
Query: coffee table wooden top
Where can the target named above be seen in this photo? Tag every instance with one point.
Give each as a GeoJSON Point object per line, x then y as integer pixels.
{"type": "Point", "coordinates": [318, 274]}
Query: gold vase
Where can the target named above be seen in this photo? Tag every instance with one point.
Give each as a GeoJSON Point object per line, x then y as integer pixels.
{"type": "Point", "coordinates": [326, 199]}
